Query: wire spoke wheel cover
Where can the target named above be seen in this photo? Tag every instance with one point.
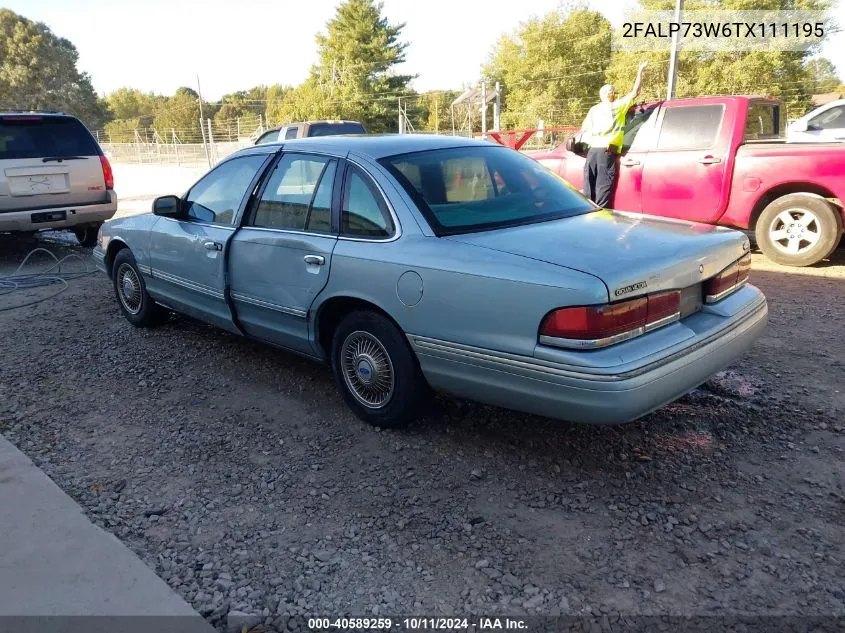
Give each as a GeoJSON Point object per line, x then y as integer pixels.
{"type": "Point", "coordinates": [129, 288]}
{"type": "Point", "coordinates": [367, 369]}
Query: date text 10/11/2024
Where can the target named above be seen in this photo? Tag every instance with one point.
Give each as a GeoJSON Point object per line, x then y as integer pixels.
{"type": "Point", "coordinates": [418, 624]}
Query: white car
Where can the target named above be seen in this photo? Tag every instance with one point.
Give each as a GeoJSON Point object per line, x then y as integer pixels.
{"type": "Point", "coordinates": [825, 124]}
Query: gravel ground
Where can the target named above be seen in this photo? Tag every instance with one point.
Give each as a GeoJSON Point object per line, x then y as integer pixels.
{"type": "Point", "coordinates": [238, 475]}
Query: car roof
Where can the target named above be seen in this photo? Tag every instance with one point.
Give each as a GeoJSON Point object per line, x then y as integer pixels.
{"type": "Point", "coordinates": [377, 145]}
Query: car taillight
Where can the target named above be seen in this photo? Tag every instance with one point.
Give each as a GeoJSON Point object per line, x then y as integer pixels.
{"type": "Point", "coordinates": [730, 279]}
{"type": "Point", "coordinates": [108, 174]}
{"type": "Point", "coordinates": [590, 327]}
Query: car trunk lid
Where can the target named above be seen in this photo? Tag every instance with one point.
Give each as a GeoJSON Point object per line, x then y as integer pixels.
{"type": "Point", "coordinates": [48, 161]}
{"type": "Point", "coordinates": [632, 254]}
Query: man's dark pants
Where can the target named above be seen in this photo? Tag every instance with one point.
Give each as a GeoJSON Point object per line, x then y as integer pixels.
{"type": "Point", "coordinates": [600, 175]}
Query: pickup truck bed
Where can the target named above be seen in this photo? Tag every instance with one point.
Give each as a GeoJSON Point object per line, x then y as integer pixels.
{"type": "Point", "coordinates": [719, 160]}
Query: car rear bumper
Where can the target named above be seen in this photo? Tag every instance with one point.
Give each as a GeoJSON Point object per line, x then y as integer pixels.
{"type": "Point", "coordinates": [606, 395]}
{"type": "Point", "coordinates": [74, 216]}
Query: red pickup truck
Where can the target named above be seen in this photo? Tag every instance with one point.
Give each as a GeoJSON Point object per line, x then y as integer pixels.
{"type": "Point", "coordinates": [723, 160]}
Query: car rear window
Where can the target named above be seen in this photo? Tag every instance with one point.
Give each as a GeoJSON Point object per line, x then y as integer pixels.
{"type": "Point", "coordinates": [330, 129]}
{"type": "Point", "coordinates": [763, 121]}
{"type": "Point", "coordinates": [38, 137]}
{"type": "Point", "coordinates": [469, 189]}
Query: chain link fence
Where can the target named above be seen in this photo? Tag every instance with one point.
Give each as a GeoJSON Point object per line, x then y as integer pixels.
{"type": "Point", "coordinates": [183, 154]}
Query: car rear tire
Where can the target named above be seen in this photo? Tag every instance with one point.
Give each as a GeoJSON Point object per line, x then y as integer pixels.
{"type": "Point", "coordinates": [135, 302]}
{"type": "Point", "coordinates": [799, 229]}
{"type": "Point", "coordinates": [376, 370]}
{"type": "Point", "coordinates": [87, 235]}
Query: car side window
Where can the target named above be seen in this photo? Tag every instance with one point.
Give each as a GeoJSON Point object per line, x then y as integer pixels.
{"type": "Point", "coordinates": [639, 124]}
{"type": "Point", "coordinates": [217, 197]}
{"type": "Point", "coordinates": [690, 127]}
{"type": "Point", "coordinates": [364, 213]}
{"type": "Point", "coordinates": [298, 195]}
{"type": "Point", "coordinates": [830, 120]}
{"type": "Point", "coordinates": [268, 137]}
{"type": "Point", "coordinates": [291, 132]}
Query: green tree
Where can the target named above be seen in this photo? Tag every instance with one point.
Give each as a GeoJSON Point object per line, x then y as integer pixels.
{"type": "Point", "coordinates": [181, 113]}
{"type": "Point", "coordinates": [430, 112]}
{"type": "Point", "coordinates": [354, 77]}
{"type": "Point", "coordinates": [38, 71]}
{"type": "Point", "coordinates": [821, 75]}
{"type": "Point", "coordinates": [551, 67]}
{"type": "Point", "coordinates": [778, 73]}
{"type": "Point", "coordinates": [242, 108]}
{"type": "Point", "coordinates": [274, 97]}
{"type": "Point", "coordinates": [130, 103]}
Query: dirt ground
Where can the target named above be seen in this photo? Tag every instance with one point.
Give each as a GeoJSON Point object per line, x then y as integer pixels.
{"type": "Point", "coordinates": [236, 472]}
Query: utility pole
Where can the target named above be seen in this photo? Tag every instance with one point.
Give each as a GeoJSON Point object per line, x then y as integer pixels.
{"type": "Point", "coordinates": [199, 94]}
{"type": "Point", "coordinates": [497, 109]}
{"type": "Point", "coordinates": [401, 119]}
{"type": "Point", "coordinates": [484, 109]}
{"type": "Point", "coordinates": [202, 129]}
{"type": "Point", "coordinates": [673, 56]}
{"type": "Point", "coordinates": [212, 150]}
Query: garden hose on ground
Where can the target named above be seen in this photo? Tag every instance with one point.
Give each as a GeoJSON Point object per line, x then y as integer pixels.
{"type": "Point", "coordinates": [53, 276]}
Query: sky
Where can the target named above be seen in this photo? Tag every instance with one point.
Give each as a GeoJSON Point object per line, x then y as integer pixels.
{"type": "Point", "coordinates": [159, 45]}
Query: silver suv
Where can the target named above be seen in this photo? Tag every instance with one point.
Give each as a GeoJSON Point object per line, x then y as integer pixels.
{"type": "Point", "coordinates": [53, 175]}
{"type": "Point", "coordinates": [310, 128]}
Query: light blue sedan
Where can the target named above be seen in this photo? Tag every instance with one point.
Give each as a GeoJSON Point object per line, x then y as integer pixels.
{"type": "Point", "coordinates": [410, 262]}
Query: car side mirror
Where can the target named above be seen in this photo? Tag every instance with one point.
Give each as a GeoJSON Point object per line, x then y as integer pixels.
{"type": "Point", "coordinates": [799, 126]}
{"type": "Point", "coordinates": [167, 206]}
{"type": "Point", "coordinates": [570, 144]}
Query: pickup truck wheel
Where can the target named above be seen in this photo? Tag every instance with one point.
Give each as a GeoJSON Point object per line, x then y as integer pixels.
{"type": "Point", "coordinates": [136, 304]}
{"type": "Point", "coordinates": [798, 229]}
{"type": "Point", "coordinates": [376, 371]}
{"type": "Point", "coordinates": [87, 235]}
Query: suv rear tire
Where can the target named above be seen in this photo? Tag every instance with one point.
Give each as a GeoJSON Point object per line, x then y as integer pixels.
{"type": "Point", "coordinates": [87, 235]}
{"type": "Point", "coordinates": [135, 302]}
{"type": "Point", "coordinates": [806, 222]}
{"type": "Point", "coordinates": [376, 370]}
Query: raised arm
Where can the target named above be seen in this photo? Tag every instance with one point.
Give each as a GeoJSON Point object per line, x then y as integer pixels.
{"type": "Point", "coordinates": [635, 91]}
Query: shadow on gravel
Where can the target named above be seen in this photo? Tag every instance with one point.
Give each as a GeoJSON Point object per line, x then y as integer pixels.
{"type": "Point", "coordinates": [15, 247]}
{"type": "Point", "coordinates": [699, 429]}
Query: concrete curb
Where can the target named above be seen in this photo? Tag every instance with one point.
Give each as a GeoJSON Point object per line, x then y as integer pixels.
{"type": "Point", "coordinates": [55, 562]}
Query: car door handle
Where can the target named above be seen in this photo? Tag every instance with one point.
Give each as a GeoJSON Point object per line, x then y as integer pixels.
{"type": "Point", "coordinates": [629, 162]}
{"type": "Point", "coordinates": [212, 246]}
{"type": "Point", "coordinates": [315, 260]}
{"type": "Point", "coordinates": [709, 160]}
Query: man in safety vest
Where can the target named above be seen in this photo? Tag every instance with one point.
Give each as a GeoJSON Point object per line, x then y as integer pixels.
{"type": "Point", "coordinates": [603, 131]}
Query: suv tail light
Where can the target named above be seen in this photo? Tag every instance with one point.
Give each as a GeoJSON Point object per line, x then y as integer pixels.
{"type": "Point", "coordinates": [108, 174]}
{"type": "Point", "coordinates": [591, 327]}
{"type": "Point", "coordinates": [729, 280]}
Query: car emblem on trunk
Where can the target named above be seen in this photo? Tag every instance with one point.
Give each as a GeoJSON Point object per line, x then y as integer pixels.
{"type": "Point", "coordinates": [637, 286]}
{"type": "Point", "coordinates": [701, 268]}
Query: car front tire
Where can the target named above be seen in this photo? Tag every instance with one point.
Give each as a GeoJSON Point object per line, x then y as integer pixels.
{"type": "Point", "coordinates": [376, 370]}
{"type": "Point", "coordinates": [135, 302]}
{"type": "Point", "coordinates": [798, 229]}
